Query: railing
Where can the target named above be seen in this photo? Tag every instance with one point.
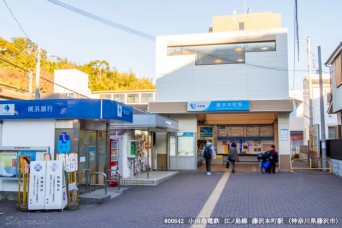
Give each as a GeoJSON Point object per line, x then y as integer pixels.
{"type": "Point", "coordinates": [104, 181]}
{"type": "Point", "coordinates": [310, 164]}
{"type": "Point", "coordinates": [115, 177]}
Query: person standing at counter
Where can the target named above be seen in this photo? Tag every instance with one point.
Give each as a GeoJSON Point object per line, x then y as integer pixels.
{"type": "Point", "coordinates": [208, 153]}
{"type": "Point", "coordinates": [233, 156]}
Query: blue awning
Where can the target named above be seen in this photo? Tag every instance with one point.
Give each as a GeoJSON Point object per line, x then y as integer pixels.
{"type": "Point", "coordinates": [66, 109]}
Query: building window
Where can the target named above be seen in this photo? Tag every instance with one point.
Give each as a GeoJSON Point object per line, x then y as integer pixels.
{"type": "Point", "coordinates": [146, 97]}
{"type": "Point", "coordinates": [221, 53]}
{"type": "Point", "coordinates": [332, 133]}
{"type": "Point", "coordinates": [119, 97]}
{"type": "Point", "coordinates": [132, 98]}
{"type": "Point", "coordinates": [106, 96]}
{"type": "Point", "coordinates": [338, 70]}
{"type": "Point", "coordinates": [241, 26]}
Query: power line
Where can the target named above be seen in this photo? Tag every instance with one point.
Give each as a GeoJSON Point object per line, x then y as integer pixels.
{"type": "Point", "coordinates": [105, 21]}
{"type": "Point", "coordinates": [149, 36]}
{"type": "Point", "coordinates": [16, 19]}
{"type": "Point", "coordinates": [48, 80]}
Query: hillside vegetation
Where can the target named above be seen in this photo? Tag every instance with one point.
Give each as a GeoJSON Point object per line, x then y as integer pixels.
{"type": "Point", "coordinates": [22, 52]}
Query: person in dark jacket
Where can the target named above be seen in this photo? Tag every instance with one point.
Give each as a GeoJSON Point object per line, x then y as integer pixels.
{"type": "Point", "coordinates": [233, 156]}
{"type": "Point", "coordinates": [273, 158]}
{"type": "Point", "coordinates": [208, 145]}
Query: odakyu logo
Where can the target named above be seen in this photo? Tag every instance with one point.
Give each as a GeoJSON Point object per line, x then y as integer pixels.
{"type": "Point", "coordinates": [38, 167]}
{"type": "Point", "coordinates": [193, 106]}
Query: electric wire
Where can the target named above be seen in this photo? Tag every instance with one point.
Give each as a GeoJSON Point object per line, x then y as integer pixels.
{"type": "Point", "coordinates": [149, 36]}
{"type": "Point", "coordinates": [48, 80]}
{"type": "Point", "coordinates": [16, 19]}
{"type": "Point", "coordinates": [105, 21]}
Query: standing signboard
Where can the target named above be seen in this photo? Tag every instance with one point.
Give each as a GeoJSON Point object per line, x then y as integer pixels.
{"type": "Point", "coordinates": [55, 194]}
{"type": "Point", "coordinates": [37, 185]}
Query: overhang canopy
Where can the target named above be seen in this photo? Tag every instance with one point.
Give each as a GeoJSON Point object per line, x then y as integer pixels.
{"type": "Point", "coordinates": [151, 122]}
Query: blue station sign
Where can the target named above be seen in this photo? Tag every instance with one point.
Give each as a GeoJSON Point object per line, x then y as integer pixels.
{"type": "Point", "coordinates": [66, 109]}
{"type": "Point", "coordinates": [217, 106]}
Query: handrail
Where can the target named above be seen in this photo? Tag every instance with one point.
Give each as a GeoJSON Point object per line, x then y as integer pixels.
{"type": "Point", "coordinates": [105, 181]}
{"type": "Point", "coordinates": [117, 175]}
{"type": "Point", "coordinates": [310, 164]}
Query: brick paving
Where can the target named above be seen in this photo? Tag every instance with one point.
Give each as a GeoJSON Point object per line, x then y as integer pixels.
{"type": "Point", "coordinates": [249, 195]}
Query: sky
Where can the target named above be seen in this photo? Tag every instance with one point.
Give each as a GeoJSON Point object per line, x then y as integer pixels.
{"type": "Point", "coordinates": [66, 34]}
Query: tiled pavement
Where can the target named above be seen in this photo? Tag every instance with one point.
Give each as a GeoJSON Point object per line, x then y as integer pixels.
{"type": "Point", "coordinates": [244, 195]}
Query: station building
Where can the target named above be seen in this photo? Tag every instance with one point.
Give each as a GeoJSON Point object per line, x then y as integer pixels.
{"type": "Point", "coordinates": [228, 85]}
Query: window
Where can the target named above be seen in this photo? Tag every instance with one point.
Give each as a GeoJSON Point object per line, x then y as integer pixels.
{"type": "Point", "coordinates": [146, 97]}
{"type": "Point", "coordinates": [221, 53]}
{"type": "Point", "coordinates": [119, 97]}
{"type": "Point", "coordinates": [132, 98]}
{"type": "Point", "coordinates": [241, 26]}
{"type": "Point", "coordinates": [332, 133]}
{"type": "Point", "coordinates": [338, 70]}
{"type": "Point", "coordinates": [106, 96]}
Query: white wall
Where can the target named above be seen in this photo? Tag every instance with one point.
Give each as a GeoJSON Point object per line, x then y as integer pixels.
{"type": "Point", "coordinates": [186, 123]}
{"type": "Point", "coordinates": [29, 133]}
{"type": "Point", "coordinates": [179, 79]}
{"type": "Point", "coordinates": [284, 123]}
{"type": "Point", "coordinates": [72, 79]}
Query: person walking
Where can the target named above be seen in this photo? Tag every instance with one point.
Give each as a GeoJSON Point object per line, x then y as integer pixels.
{"type": "Point", "coordinates": [208, 153]}
{"type": "Point", "coordinates": [233, 156]}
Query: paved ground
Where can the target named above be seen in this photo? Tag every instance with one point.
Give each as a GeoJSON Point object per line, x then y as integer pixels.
{"type": "Point", "coordinates": [236, 197]}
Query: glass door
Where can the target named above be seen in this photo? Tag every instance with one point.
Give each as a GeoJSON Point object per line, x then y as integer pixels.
{"type": "Point", "coordinates": [92, 155]}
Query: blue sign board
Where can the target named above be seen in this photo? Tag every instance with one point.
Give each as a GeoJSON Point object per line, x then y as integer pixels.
{"type": "Point", "coordinates": [206, 132]}
{"type": "Point", "coordinates": [66, 109]}
{"type": "Point", "coordinates": [216, 106]}
{"type": "Point", "coordinates": [63, 144]}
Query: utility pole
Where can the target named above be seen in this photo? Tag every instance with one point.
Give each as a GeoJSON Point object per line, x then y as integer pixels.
{"type": "Point", "coordinates": [30, 83]}
{"type": "Point", "coordinates": [323, 140]}
{"type": "Point", "coordinates": [38, 74]}
{"type": "Point", "coordinates": [309, 79]}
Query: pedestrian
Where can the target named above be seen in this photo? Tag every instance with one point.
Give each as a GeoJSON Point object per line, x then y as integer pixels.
{"type": "Point", "coordinates": [208, 153]}
{"type": "Point", "coordinates": [273, 158]}
{"type": "Point", "coordinates": [233, 156]}
{"type": "Point", "coordinates": [261, 161]}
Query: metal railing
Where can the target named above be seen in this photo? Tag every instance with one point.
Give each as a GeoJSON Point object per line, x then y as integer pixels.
{"type": "Point", "coordinates": [115, 177]}
{"type": "Point", "coordinates": [310, 164]}
{"type": "Point", "coordinates": [104, 181]}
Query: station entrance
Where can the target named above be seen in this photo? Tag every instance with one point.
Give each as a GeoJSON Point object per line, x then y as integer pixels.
{"type": "Point", "coordinates": [253, 133]}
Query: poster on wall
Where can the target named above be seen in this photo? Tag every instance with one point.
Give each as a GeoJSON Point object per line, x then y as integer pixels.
{"type": "Point", "coordinates": [186, 142]}
{"type": "Point", "coordinates": [314, 140]}
{"type": "Point", "coordinates": [9, 157]}
{"type": "Point", "coordinates": [8, 164]}
{"type": "Point", "coordinates": [206, 132]}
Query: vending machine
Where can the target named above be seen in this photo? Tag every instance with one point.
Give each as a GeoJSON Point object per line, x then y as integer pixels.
{"type": "Point", "coordinates": [113, 162]}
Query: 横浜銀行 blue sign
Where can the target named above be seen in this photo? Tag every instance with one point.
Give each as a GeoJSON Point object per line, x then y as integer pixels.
{"type": "Point", "coordinates": [216, 106]}
{"type": "Point", "coordinates": [65, 109]}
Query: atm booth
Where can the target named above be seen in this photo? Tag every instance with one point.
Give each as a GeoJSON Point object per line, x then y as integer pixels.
{"type": "Point", "coordinates": [65, 126]}
{"type": "Point", "coordinates": [143, 145]}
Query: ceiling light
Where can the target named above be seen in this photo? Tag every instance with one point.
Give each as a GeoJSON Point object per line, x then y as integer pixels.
{"type": "Point", "coordinates": [264, 48]}
{"type": "Point", "coordinates": [240, 60]}
{"type": "Point", "coordinates": [218, 61]}
{"type": "Point", "coordinates": [238, 49]}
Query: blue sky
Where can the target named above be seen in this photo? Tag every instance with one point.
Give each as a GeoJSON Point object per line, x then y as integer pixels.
{"type": "Point", "coordinates": [69, 35]}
